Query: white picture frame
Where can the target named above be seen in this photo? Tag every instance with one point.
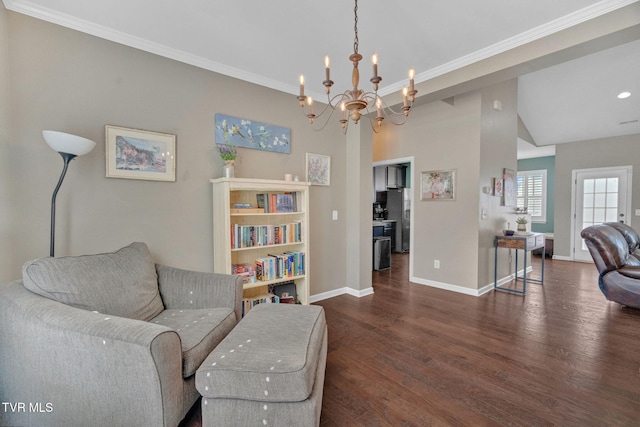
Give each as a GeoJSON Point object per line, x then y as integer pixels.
{"type": "Point", "coordinates": [318, 169]}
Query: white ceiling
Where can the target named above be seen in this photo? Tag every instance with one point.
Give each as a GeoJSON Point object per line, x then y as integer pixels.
{"type": "Point", "coordinates": [272, 42]}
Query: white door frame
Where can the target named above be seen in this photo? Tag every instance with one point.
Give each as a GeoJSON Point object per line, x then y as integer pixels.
{"type": "Point", "coordinates": [411, 161]}
{"type": "Point", "coordinates": [574, 188]}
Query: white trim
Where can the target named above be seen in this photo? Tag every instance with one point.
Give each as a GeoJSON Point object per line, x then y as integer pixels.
{"type": "Point", "coordinates": [574, 185]}
{"type": "Point", "coordinates": [53, 16]}
{"type": "Point", "coordinates": [568, 21]}
{"type": "Point", "coordinates": [562, 258]}
{"type": "Point", "coordinates": [341, 291]}
{"type": "Point", "coordinates": [411, 161]}
{"type": "Point", "coordinates": [463, 290]}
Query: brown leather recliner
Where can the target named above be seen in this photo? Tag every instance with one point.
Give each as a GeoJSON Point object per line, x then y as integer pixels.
{"type": "Point", "coordinates": [619, 270]}
{"type": "Point", "coordinates": [631, 236]}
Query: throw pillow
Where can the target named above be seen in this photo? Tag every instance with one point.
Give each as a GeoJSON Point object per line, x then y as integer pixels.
{"type": "Point", "coordinates": [123, 283]}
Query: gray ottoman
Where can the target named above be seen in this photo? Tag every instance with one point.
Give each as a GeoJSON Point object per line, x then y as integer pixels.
{"type": "Point", "coordinates": [268, 371]}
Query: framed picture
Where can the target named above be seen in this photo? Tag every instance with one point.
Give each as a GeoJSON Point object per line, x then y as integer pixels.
{"type": "Point", "coordinates": [497, 187]}
{"type": "Point", "coordinates": [510, 191]}
{"type": "Point", "coordinates": [247, 133]}
{"type": "Point", "coordinates": [438, 185]}
{"type": "Point", "coordinates": [140, 154]}
{"type": "Point", "coordinates": [318, 169]}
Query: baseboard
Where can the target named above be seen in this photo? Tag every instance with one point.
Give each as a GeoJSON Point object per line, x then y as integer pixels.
{"type": "Point", "coordinates": [562, 258]}
{"type": "Point", "coordinates": [341, 291]}
{"type": "Point", "coordinates": [462, 289]}
{"type": "Point", "coordinates": [434, 284]}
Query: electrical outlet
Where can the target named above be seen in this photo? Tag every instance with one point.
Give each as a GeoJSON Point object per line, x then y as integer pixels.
{"type": "Point", "coordinates": [436, 263]}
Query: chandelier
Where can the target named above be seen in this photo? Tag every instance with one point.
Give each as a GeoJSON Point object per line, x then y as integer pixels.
{"type": "Point", "coordinates": [356, 102]}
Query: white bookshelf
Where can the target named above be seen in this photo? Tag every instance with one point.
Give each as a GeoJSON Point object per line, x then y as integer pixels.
{"type": "Point", "coordinates": [229, 191]}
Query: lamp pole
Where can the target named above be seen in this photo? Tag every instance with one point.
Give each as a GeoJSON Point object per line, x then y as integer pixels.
{"type": "Point", "coordinates": [67, 158]}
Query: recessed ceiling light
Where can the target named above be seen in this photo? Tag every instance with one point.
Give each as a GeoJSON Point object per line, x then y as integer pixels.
{"type": "Point", "coordinates": [623, 95]}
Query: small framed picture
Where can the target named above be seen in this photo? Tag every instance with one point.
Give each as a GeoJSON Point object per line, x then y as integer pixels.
{"type": "Point", "coordinates": [140, 154]}
{"type": "Point", "coordinates": [318, 169]}
{"type": "Point", "coordinates": [497, 187]}
{"type": "Point", "coordinates": [438, 185]}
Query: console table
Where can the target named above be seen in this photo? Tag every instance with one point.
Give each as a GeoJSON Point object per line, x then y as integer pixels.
{"type": "Point", "coordinates": [526, 243]}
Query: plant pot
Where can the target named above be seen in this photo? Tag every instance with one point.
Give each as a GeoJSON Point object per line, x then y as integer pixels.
{"type": "Point", "coordinates": [229, 169]}
{"type": "Point", "coordinates": [522, 227]}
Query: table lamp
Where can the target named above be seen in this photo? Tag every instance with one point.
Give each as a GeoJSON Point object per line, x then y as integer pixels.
{"type": "Point", "coordinates": [69, 146]}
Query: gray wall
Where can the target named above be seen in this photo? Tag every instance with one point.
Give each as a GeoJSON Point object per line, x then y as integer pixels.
{"type": "Point", "coordinates": [68, 81]}
{"type": "Point", "coordinates": [476, 141]}
{"type": "Point", "coordinates": [6, 226]}
{"type": "Point", "coordinates": [619, 151]}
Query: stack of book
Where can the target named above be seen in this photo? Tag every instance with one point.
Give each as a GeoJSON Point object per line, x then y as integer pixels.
{"type": "Point", "coordinates": [278, 202]}
{"type": "Point", "coordinates": [246, 271]}
{"type": "Point", "coordinates": [288, 264]}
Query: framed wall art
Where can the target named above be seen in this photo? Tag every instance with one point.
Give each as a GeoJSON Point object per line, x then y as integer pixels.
{"type": "Point", "coordinates": [497, 187]}
{"type": "Point", "coordinates": [318, 169]}
{"type": "Point", "coordinates": [510, 192]}
{"type": "Point", "coordinates": [246, 133]}
{"type": "Point", "coordinates": [140, 154]}
{"type": "Point", "coordinates": [438, 185]}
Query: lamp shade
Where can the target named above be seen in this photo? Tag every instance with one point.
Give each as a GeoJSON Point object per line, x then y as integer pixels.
{"type": "Point", "coordinates": [67, 143]}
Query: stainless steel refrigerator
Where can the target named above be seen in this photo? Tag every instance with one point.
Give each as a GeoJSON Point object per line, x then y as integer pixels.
{"type": "Point", "coordinates": [399, 209]}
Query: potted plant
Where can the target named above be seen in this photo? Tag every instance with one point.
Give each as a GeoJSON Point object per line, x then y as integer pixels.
{"type": "Point", "coordinates": [522, 223]}
{"type": "Point", "coordinates": [228, 153]}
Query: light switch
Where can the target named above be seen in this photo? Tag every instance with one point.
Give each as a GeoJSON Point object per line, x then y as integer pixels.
{"type": "Point", "coordinates": [334, 215]}
{"type": "Point", "coordinates": [637, 212]}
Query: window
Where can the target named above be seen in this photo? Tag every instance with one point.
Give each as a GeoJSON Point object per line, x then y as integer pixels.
{"type": "Point", "coordinates": [532, 193]}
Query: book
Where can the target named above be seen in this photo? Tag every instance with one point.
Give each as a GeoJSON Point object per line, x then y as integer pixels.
{"type": "Point", "coordinates": [246, 210]}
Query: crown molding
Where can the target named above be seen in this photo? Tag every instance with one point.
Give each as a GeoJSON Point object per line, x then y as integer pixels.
{"type": "Point", "coordinates": [87, 27]}
{"type": "Point", "coordinates": [50, 15]}
{"type": "Point", "coordinates": [568, 21]}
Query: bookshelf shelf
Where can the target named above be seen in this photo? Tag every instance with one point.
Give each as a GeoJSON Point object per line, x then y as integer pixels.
{"type": "Point", "coordinates": [266, 214]}
{"type": "Point", "coordinates": [228, 194]}
{"type": "Point", "coordinates": [254, 248]}
{"type": "Point", "coordinates": [261, 283]}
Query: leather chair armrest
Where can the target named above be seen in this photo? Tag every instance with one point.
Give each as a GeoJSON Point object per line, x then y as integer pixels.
{"type": "Point", "coordinates": [630, 271]}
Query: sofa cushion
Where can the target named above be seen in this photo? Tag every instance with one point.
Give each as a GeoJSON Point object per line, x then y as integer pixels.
{"type": "Point", "coordinates": [123, 283]}
{"type": "Point", "coordinates": [271, 355]}
{"type": "Point", "coordinates": [200, 331]}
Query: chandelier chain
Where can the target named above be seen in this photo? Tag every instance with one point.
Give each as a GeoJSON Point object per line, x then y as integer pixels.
{"type": "Point", "coordinates": [355, 29]}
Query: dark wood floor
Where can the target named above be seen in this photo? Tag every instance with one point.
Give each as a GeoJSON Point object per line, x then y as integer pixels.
{"type": "Point", "coordinates": [411, 355]}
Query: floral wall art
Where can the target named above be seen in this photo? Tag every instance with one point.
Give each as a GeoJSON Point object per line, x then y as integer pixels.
{"type": "Point", "coordinates": [246, 133]}
{"type": "Point", "coordinates": [318, 169]}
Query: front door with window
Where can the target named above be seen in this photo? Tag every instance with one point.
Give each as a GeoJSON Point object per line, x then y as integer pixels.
{"type": "Point", "coordinates": [601, 195]}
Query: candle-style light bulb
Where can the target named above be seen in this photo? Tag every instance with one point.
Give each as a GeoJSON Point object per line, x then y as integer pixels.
{"type": "Point", "coordinates": [301, 85]}
{"type": "Point", "coordinates": [405, 91]}
{"type": "Point", "coordinates": [326, 66]}
{"type": "Point", "coordinates": [379, 105]}
{"type": "Point", "coordinates": [374, 61]}
{"type": "Point", "coordinates": [310, 101]}
{"type": "Point", "coordinates": [412, 74]}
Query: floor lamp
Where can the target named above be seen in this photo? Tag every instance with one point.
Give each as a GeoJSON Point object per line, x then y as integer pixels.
{"type": "Point", "coordinates": [69, 146]}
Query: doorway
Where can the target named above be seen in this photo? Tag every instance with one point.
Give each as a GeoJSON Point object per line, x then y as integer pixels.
{"type": "Point", "coordinates": [410, 161]}
{"type": "Point", "coordinates": [600, 195]}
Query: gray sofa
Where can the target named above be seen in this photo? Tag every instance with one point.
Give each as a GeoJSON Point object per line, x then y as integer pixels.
{"type": "Point", "coordinates": [108, 340]}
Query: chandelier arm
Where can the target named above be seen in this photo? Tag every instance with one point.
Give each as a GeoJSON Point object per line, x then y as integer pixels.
{"type": "Point", "coordinates": [394, 112]}
{"type": "Point", "coordinates": [343, 96]}
{"type": "Point", "coordinates": [325, 122]}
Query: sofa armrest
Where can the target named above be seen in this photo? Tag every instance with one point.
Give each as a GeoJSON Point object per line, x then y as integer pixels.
{"type": "Point", "coordinates": [87, 366]}
{"type": "Point", "coordinates": [191, 289]}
